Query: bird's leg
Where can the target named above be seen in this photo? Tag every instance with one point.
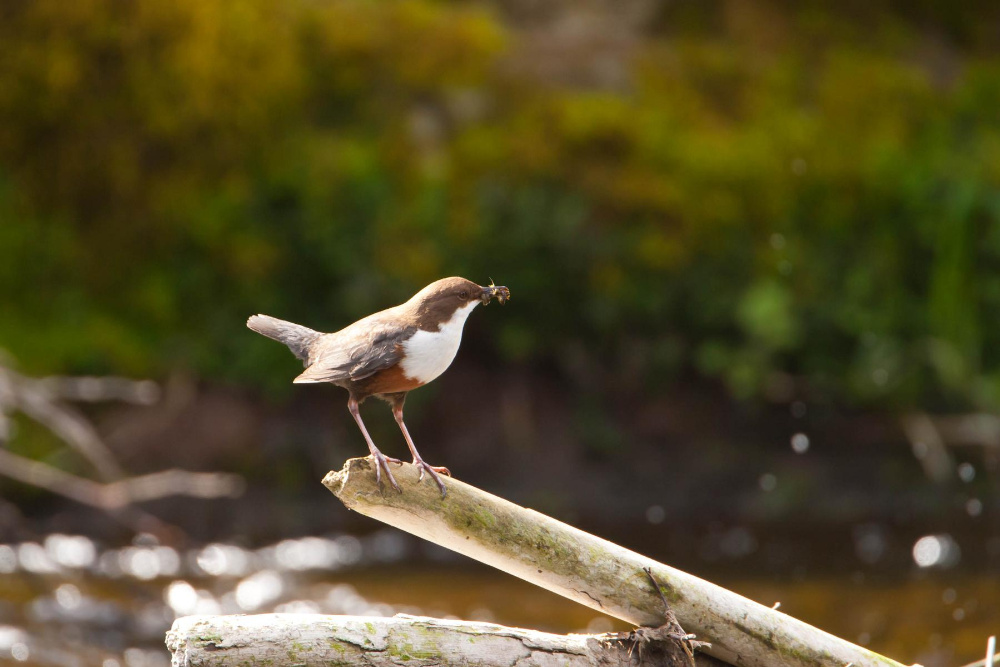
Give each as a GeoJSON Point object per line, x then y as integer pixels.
{"type": "Point", "coordinates": [397, 412]}
{"type": "Point", "coordinates": [381, 460]}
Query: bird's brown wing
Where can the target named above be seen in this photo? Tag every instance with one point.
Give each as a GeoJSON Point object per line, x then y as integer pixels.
{"type": "Point", "coordinates": [355, 355]}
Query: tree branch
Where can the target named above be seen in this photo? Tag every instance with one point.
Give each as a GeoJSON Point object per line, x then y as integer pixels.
{"type": "Point", "coordinates": [313, 639]}
{"type": "Point", "coordinates": [36, 400]}
{"type": "Point", "coordinates": [591, 571]}
{"type": "Point", "coordinates": [116, 495]}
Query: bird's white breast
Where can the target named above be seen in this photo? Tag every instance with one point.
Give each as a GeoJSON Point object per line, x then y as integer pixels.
{"type": "Point", "coordinates": [429, 353]}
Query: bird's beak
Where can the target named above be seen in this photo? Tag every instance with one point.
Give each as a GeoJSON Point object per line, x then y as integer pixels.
{"type": "Point", "coordinates": [494, 291]}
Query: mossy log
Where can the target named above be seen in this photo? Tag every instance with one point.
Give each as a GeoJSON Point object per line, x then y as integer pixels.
{"type": "Point", "coordinates": [591, 571]}
{"type": "Point", "coordinates": [416, 641]}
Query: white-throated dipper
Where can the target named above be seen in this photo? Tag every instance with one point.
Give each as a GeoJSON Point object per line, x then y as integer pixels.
{"type": "Point", "coordinates": [388, 353]}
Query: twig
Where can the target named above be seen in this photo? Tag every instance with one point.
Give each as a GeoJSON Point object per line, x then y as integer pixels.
{"type": "Point", "coordinates": [118, 494]}
{"type": "Point", "coordinates": [672, 624]}
{"type": "Point", "coordinates": [34, 399]}
{"type": "Point", "coordinates": [666, 644]}
{"type": "Point", "coordinates": [992, 657]}
{"type": "Point", "coordinates": [94, 389]}
{"type": "Point", "coordinates": [977, 428]}
{"type": "Point", "coordinates": [928, 447]}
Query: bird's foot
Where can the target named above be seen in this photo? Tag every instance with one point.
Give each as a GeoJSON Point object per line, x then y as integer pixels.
{"type": "Point", "coordinates": [420, 463]}
{"type": "Point", "coordinates": [382, 463]}
{"type": "Point", "coordinates": [433, 472]}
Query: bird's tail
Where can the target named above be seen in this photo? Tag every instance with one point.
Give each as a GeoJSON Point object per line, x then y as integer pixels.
{"type": "Point", "coordinates": [297, 337]}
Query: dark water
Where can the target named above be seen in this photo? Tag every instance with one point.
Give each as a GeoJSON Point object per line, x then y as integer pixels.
{"type": "Point", "coordinates": [65, 601]}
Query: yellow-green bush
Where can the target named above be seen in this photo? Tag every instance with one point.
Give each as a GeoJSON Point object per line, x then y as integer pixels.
{"type": "Point", "coordinates": [784, 197]}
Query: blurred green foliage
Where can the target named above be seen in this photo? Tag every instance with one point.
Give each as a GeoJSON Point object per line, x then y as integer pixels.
{"type": "Point", "coordinates": [792, 198]}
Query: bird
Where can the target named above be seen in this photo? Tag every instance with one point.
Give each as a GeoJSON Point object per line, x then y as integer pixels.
{"type": "Point", "coordinates": [388, 354]}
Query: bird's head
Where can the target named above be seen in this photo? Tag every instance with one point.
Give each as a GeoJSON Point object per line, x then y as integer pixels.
{"type": "Point", "coordinates": [455, 293]}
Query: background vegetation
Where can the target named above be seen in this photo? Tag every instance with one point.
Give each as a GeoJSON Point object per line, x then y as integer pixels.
{"type": "Point", "coordinates": [790, 198]}
{"type": "Point", "coordinates": [749, 244]}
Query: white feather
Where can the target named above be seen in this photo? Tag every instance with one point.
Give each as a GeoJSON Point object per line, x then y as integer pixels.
{"type": "Point", "coordinates": [429, 353]}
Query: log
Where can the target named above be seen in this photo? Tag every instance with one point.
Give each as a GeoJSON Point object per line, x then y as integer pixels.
{"type": "Point", "coordinates": [315, 639]}
{"type": "Point", "coordinates": [590, 570]}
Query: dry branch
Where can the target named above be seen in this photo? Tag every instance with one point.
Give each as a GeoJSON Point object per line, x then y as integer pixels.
{"type": "Point", "coordinates": [36, 399]}
{"type": "Point", "coordinates": [115, 495]}
{"type": "Point", "coordinates": [91, 389]}
{"type": "Point", "coordinates": [43, 401]}
{"type": "Point", "coordinates": [591, 571]}
{"type": "Point", "coordinates": [929, 447]}
{"type": "Point", "coordinates": [313, 639]}
{"type": "Point", "coordinates": [976, 428]}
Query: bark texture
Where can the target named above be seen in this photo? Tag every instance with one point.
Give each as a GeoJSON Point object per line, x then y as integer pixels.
{"type": "Point", "coordinates": [591, 571]}
{"type": "Point", "coordinates": [415, 641]}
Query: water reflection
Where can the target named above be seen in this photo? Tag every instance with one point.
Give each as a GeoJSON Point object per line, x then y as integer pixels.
{"type": "Point", "coordinates": [870, 542]}
{"type": "Point", "coordinates": [974, 507]}
{"type": "Point", "coordinates": [66, 601]}
{"type": "Point", "coordinates": [62, 554]}
{"type": "Point", "coordinates": [258, 590]}
{"type": "Point", "coordinates": [183, 598]}
{"type": "Point", "coordinates": [71, 551]}
{"type": "Point", "coordinates": [11, 641]}
{"type": "Point", "coordinates": [655, 514]}
{"type": "Point", "coordinates": [86, 619]}
{"type": "Point", "coordinates": [936, 551]}
{"type": "Point", "coordinates": [768, 482]}
{"type": "Point", "coordinates": [146, 563]}
{"type": "Point", "coordinates": [800, 443]}
{"type": "Point", "coordinates": [218, 560]}
{"type": "Point", "coordinates": [32, 557]}
{"type": "Point", "coordinates": [8, 559]}
{"type": "Point", "coordinates": [19, 651]}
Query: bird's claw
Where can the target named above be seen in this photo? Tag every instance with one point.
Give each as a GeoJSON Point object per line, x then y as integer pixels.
{"type": "Point", "coordinates": [433, 471]}
{"type": "Point", "coordinates": [420, 463]}
{"type": "Point", "coordinates": [382, 463]}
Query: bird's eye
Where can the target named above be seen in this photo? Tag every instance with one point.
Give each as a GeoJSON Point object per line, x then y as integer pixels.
{"type": "Point", "coordinates": [463, 295]}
